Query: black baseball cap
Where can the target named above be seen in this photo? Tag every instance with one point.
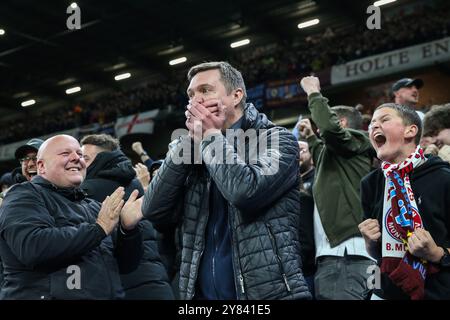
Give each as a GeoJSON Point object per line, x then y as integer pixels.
{"type": "Point", "coordinates": [30, 146]}
{"type": "Point", "coordinates": [407, 82]}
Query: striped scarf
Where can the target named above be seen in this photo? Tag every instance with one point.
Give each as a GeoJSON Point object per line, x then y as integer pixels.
{"type": "Point", "coordinates": [408, 273]}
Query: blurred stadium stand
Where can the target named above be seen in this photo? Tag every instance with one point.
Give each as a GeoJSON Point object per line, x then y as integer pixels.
{"type": "Point", "coordinates": [40, 59]}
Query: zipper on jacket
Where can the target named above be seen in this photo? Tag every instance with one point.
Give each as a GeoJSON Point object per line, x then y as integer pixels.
{"type": "Point", "coordinates": [208, 188]}
{"type": "Point", "coordinates": [286, 282]}
{"type": "Point", "coordinates": [233, 248]}
{"type": "Point", "coordinates": [241, 282]}
{"type": "Point", "coordinates": [214, 259]}
{"type": "Point", "coordinates": [277, 256]}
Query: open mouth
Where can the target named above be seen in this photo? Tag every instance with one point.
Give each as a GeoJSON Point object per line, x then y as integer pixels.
{"type": "Point", "coordinates": [379, 139]}
{"type": "Point", "coordinates": [73, 169]}
{"type": "Point", "coordinates": [32, 173]}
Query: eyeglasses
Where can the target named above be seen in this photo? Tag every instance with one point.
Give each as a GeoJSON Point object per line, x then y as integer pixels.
{"type": "Point", "coordinates": [27, 159]}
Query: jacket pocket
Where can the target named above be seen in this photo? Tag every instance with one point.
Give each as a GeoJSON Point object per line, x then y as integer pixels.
{"type": "Point", "coordinates": [277, 255]}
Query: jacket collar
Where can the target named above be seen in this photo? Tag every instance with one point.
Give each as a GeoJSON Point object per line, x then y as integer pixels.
{"type": "Point", "coordinates": [73, 194]}
{"type": "Point", "coordinates": [254, 119]}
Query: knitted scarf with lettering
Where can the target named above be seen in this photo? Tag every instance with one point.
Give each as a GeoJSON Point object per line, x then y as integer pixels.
{"type": "Point", "coordinates": [408, 273]}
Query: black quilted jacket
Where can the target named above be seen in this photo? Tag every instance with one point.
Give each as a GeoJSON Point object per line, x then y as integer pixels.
{"type": "Point", "coordinates": [263, 210]}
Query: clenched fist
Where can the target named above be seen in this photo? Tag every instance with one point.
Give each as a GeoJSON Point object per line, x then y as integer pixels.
{"type": "Point", "coordinates": [421, 244]}
{"type": "Point", "coordinates": [370, 230]}
{"type": "Point", "coordinates": [137, 147]}
{"type": "Point", "coordinates": [305, 128]}
{"type": "Point", "coordinates": [310, 84]}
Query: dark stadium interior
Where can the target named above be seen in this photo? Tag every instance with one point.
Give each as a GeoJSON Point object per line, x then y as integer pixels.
{"type": "Point", "coordinates": [40, 58]}
{"type": "Point", "coordinates": [39, 52]}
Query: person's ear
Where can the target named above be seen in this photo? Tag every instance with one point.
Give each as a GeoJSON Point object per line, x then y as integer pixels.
{"type": "Point", "coordinates": [237, 96]}
{"type": "Point", "coordinates": [411, 131]}
{"type": "Point", "coordinates": [40, 167]}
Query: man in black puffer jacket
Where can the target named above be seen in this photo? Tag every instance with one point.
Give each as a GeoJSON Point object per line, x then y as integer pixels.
{"type": "Point", "coordinates": [108, 168]}
{"type": "Point", "coordinates": [239, 217]}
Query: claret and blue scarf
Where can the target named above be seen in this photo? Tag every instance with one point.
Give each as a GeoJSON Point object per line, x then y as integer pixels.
{"type": "Point", "coordinates": [400, 218]}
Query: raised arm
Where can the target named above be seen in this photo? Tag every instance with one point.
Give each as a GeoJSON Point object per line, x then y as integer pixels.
{"type": "Point", "coordinates": [335, 137]}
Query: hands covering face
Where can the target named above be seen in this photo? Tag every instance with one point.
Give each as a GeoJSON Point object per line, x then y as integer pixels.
{"type": "Point", "coordinates": [203, 119]}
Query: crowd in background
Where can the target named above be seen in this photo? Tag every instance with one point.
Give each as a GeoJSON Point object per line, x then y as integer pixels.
{"type": "Point", "coordinates": [288, 58]}
{"type": "Point", "coordinates": [320, 222]}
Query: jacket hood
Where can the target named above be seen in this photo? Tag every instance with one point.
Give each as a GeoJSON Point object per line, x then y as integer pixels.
{"type": "Point", "coordinates": [433, 163]}
{"type": "Point", "coordinates": [111, 165]}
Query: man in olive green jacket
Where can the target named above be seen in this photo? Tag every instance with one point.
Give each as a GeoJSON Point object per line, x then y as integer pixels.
{"type": "Point", "coordinates": [343, 156]}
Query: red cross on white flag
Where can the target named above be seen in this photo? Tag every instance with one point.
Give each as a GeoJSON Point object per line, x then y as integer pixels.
{"type": "Point", "coordinates": [136, 123]}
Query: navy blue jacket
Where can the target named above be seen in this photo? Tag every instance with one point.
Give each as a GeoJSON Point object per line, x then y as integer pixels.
{"type": "Point", "coordinates": [216, 274]}
{"type": "Point", "coordinates": [263, 205]}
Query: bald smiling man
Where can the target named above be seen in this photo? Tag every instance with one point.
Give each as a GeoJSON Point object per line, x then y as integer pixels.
{"type": "Point", "coordinates": [57, 244]}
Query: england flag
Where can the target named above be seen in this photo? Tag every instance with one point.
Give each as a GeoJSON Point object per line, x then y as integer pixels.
{"type": "Point", "coordinates": [136, 123]}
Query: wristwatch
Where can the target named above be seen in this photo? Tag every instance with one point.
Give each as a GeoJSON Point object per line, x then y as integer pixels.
{"type": "Point", "coordinates": [445, 260]}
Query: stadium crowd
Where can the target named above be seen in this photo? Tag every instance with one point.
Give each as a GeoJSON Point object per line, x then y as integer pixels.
{"type": "Point", "coordinates": [281, 60]}
{"type": "Point", "coordinates": [240, 208]}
